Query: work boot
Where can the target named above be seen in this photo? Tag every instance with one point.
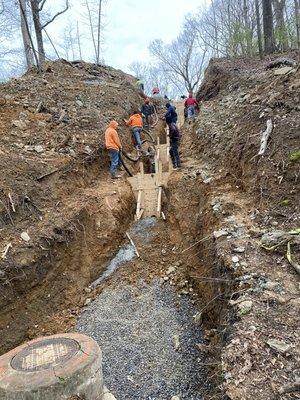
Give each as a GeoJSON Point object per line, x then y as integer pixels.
{"type": "Point", "coordinates": [116, 177]}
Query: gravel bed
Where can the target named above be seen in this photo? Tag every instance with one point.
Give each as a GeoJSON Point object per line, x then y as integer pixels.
{"type": "Point", "coordinates": [138, 329]}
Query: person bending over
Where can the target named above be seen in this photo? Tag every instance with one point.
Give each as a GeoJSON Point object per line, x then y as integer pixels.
{"type": "Point", "coordinates": [135, 122]}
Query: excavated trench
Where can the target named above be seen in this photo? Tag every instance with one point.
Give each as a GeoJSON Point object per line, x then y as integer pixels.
{"type": "Point", "coordinates": [160, 319]}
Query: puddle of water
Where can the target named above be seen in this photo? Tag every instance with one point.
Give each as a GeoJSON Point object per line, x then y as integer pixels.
{"type": "Point", "coordinates": [124, 255]}
{"type": "Point", "coordinates": [141, 229]}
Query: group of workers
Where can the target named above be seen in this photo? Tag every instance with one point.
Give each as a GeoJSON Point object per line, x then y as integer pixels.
{"type": "Point", "coordinates": [140, 120]}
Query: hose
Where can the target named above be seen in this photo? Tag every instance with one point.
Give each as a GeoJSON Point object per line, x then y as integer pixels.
{"type": "Point", "coordinates": [156, 117]}
{"type": "Point", "coordinates": [130, 158]}
{"type": "Point", "coordinates": [149, 135]}
{"type": "Point", "coordinates": [124, 165]}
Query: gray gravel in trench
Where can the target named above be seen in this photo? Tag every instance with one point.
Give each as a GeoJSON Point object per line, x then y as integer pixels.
{"type": "Point", "coordinates": [135, 327]}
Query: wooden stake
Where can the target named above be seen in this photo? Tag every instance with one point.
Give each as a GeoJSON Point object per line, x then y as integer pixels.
{"type": "Point", "coordinates": [132, 243]}
{"type": "Point", "coordinates": [159, 198]}
{"type": "Point", "coordinates": [138, 206]}
{"type": "Point", "coordinates": [142, 168]}
{"type": "Point", "coordinates": [140, 214]}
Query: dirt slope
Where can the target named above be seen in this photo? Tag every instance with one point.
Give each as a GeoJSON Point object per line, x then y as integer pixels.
{"type": "Point", "coordinates": [218, 207]}
{"type": "Point", "coordinates": [242, 196]}
{"type": "Point", "coordinates": [53, 123]}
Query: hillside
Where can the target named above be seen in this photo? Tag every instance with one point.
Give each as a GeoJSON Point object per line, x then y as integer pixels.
{"type": "Point", "coordinates": [53, 179]}
{"type": "Point", "coordinates": [210, 306]}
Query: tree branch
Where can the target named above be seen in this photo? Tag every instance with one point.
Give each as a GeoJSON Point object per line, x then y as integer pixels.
{"type": "Point", "coordinates": [42, 5]}
{"type": "Point", "coordinates": [56, 15]}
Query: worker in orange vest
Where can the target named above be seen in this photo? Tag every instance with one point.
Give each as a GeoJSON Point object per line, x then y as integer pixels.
{"type": "Point", "coordinates": [135, 122]}
{"type": "Point", "coordinates": [113, 145]}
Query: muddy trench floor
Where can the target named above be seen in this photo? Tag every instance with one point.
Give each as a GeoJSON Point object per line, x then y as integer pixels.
{"type": "Point", "coordinates": [145, 328]}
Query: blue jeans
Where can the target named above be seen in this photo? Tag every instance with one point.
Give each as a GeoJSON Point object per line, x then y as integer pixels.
{"type": "Point", "coordinates": [191, 112]}
{"type": "Point", "coordinates": [175, 154]}
{"type": "Point", "coordinates": [115, 161]}
{"type": "Point", "coordinates": [136, 133]}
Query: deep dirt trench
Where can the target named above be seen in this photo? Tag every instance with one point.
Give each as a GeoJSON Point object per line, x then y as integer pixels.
{"type": "Point", "coordinates": [147, 315]}
{"type": "Point", "coordinates": [146, 329]}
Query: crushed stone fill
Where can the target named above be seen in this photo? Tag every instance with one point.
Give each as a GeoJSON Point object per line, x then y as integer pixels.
{"type": "Point", "coordinates": [138, 329]}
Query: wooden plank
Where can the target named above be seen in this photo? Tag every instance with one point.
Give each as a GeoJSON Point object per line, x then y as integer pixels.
{"type": "Point", "coordinates": [139, 201]}
{"type": "Point", "coordinates": [159, 199]}
{"type": "Point", "coordinates": [140, 214]}
{"type": "Point", "coordinates": [142, 169]}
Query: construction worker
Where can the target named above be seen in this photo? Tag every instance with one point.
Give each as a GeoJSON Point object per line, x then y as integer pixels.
{"type": "Point", "coordinates": [147, 110]}
{"type": "Point", "coordinates": [174, 135]}
{"type": "Point", "coordinates": [113, 145]}
{"type": "Point", "coordinates": [140, 85]}
{"type": "Point", "coordinates": [135, 122]}
{"type": "Point", "coordinates": [151, 158]}
{"type": "Point", "coordinates": [171, 114]}
{"type": "Point", "coordinates": [156, 92]}
{"type": "Point", "coordinates": [191, 104]}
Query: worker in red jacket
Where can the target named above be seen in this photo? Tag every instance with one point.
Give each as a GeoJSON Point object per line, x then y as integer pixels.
{"type": "Point", "coordinates": [191, 104]}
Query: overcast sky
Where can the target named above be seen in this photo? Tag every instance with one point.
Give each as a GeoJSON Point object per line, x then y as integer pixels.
{"type": "Point", "coordinates": [132, 24]}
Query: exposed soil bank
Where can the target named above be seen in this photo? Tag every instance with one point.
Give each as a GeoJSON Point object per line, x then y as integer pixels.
{"type": "Point", "coordinates": [50, 286]}
{"type": "Point", "coordinates": [247, 197]}
{"type": "Point", "coordinates": [55, 191]}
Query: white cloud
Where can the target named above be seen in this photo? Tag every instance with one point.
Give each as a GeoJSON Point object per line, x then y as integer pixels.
{"type": "Point", "coordinates": [131, 26]}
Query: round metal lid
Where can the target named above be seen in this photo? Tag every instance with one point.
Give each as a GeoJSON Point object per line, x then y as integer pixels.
{"type": "Point", "coordinates": [45, 354]}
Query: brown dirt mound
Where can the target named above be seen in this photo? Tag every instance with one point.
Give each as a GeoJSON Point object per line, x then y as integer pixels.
{"type": "Point", "coordinates": [55, 189]}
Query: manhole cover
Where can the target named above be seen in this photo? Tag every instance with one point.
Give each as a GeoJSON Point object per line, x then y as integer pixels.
{"type": "Point", "coordinates": [45, 354]}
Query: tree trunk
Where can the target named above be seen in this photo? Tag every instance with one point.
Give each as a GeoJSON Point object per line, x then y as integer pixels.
{"type": "Point", "coordinates": [247, 27]}
{"type": "Point", "coordinates": [215, 29]}
{"type": "Point", "coordinates": [297, 17]}
{"type": "Point", "coordinates": [268, 26]}
{"type": "Point", "coordinates": [25, 35]}
{"type": "Point", "coordinates": [79, 41]}
{"type": "Point", "coordinates": [91, 27]}
{"type": "Point", "coordinates": [38, 29]}
{"type": "Point", "coordinates": [99, 31]}
{"type": "Point", "coordinates": [281, 30]}
{"type": "Point", "coordinates": [258, 26]}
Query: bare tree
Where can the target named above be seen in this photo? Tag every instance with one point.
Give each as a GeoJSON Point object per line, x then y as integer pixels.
{"type": "Point", "coordinates": [99, 31]}
{"type": "Point", "coordinates": [37, 7]}
{"type": "Point", "coordinates": [297, 18]}
{"type": "Point", "coordinates": [94, 16]}
{"type": "Point", "coordinates": [182, 57]}
{"type": "Point", "coordinates": [89, 12]}
{"type": "Point", "coordinates": [79, 41]}
{"type": "Point", "coordinates": [281, 31]}
{"type": "Point", "coordinates": [157, 75]}
{"type": "Point", "coordinates": [27, 40]}
{"type": "Point", "coordinates": [268, 26]}
{"type": "Point", "coordinates": [258, 27]}
{"type": "Point", "coordinates": [69, 41]}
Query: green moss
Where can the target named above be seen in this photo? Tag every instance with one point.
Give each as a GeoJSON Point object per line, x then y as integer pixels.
{"type": "Point", "coordinates": [295, 156]}
{"type": "Point", "coordinates": [285, 202]}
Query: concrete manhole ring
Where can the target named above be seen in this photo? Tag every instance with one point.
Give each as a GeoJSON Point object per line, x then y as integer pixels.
{"type": "Point", "coordinates": [52, 368]}
{"type": "Point", "coordinates": [45, 354]}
